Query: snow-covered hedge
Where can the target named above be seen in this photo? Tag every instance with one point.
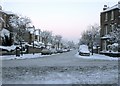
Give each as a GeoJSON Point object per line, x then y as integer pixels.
{"type": "Point", "coordinates": [113, 47]}
{"type": "Point", "coordinates": [8, 48]}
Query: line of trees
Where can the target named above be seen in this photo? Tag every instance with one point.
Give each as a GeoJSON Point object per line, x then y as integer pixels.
{"type": "Point", "coordinates": [55, 40]}
{"type": "Point", "coordinates": [20, 25]}
{"type": "Point", "coordinates": [91, 36]}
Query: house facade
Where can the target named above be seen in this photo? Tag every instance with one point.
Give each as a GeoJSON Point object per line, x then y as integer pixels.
{"type": "Point", "coordinates": [30, 35]}
{"type": "Point", "coordinates": [4, 24]}
{"type": "Point", "coordinates": [109, 20]}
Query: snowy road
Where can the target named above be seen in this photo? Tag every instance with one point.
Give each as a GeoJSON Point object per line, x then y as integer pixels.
{"type": "Point", "coordinates": [63, 68]}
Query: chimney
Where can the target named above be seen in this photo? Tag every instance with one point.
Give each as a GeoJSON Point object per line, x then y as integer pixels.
{"type": "Point", "coordinates": [0, 7]}
{"type": "Point", "coordinates": [105, 7]}
{"type": "Point", "coordinates": [119, 4]}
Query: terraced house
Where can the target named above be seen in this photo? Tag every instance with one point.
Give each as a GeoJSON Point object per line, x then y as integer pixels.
{"type": "Point", "coordinates": [109, 20]}
{"type": "Point", "coordinates": [4, 25]}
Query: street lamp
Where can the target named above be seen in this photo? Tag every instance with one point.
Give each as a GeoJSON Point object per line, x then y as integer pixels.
{"type": "Point", "coordinates": [93, 36]}
{"type": "Point", "coordinates": [33, 38]}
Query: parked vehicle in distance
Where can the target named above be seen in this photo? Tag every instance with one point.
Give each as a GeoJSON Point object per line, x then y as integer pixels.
{"type": "Point", "coordinates": [54, 51]}
{"type": "Point", "coordinates": [66, 50]}
{"type": "Point", "coordinates": [46, 51]}
{"type": "Point", "coordinates": [83, 50]}
{"type": "Point", "coordinates": [59, 51]}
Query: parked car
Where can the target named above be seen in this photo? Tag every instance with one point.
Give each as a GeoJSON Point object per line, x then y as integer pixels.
{"type": "Point", "coordinates": [83, 50]}
{"type": "Point", "coordinates": [59, 51]}
{"type": "Point", "coordinates": [46, 52]}
{"type": "Point", "coordinates": [54, 51]}
{"type": "Point", "coordinates": [66, 50]}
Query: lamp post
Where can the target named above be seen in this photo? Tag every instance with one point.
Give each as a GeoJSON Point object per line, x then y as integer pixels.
{"type": "Point", "coordinates": [33, 39]}
{"type": "Point", "coordinates": [93, 37]}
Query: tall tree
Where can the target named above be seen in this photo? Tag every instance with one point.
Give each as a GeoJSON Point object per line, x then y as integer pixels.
{"type": "Point", "coordinates": [46, 37]}
{"type": "Point", "coordinates": [91, 36]}
{"type": "Point", "coordinates": [58, 39]}
{"type": "Point", "coordinates": [19, 24]}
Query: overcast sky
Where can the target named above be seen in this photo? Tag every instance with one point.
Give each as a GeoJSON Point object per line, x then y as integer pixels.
{"type": "Point", "coordinates": [68, 18]}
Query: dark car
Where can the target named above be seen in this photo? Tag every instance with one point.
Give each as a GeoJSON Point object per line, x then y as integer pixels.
{"type": "Point", "coordinates": [60, 51]}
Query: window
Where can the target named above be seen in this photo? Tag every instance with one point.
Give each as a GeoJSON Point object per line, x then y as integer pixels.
{"type": "Point", "coordinates": [36, 37]}
{"type": "Point", "coordinates": [104, 46]}
{"type": "Point", "coordinates": [112, 27]}
{"type": "Point", "coordinates": [112, 15]}
{"type": "Point", "coordinates": [106, 16]}
{"type": "Point", "coordinates": [106, 30]}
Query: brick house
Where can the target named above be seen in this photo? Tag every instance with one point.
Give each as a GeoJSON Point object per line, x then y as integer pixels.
{"type": "Point", "coordinates": [109, 20]}
{"type": "Point", "coordinates": [4, 23]}
{"type": "Point", "coordinates": [30, 35]}
{"type": "Point", "coordinates": [4, 19]}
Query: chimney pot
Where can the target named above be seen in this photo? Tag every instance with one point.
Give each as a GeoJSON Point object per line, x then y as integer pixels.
{"type": "Point", "coordinates": [105, 7]}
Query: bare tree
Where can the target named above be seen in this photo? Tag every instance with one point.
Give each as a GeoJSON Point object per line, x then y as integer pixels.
{"type": "Point", "coordinates": [71, 44]}
{"type": "Point", "coordinates": [91, 34]}
{"type": "Point", "coordinates": [58, 39]}
{"type": "Point", "coordinates": [46, 37]}
{"type": "Point", "coordinates": [91, 37]}
{"type": "Point", "coordinates": [19, 25]}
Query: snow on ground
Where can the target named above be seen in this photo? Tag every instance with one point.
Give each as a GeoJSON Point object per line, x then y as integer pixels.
{"type": "Point", "coordinates": [96, 56]}
{"type": "Point", "coordinates": [61, 75]}
{"type": "Point", "coordinates": [37, 55]}
{"type": "Point", "coordinates": [24, 56]}
{"type": "Point", "coordinates": [9, 48]}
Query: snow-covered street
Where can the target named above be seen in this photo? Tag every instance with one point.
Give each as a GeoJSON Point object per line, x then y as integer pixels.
{"type": "Point", "coordinates": [65, 68]}
{"type": "Point", "coordinates": [61, 75]}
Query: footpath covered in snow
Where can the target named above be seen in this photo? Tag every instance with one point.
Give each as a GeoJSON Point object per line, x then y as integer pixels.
{"type": "Point", "coordinates": [97, 57]}
{"type": "Point", "coordinates": [24, 56]}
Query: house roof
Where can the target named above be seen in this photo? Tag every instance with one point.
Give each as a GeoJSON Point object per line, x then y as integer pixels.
{"type": "Point", "coordinates": [117, 6]}
{"type": "Point", "coordinates": [7, 12]}
{"type": "Point", "coordinates": [31, 30]}
{"type": "Point", "coordinates": [37, 32]}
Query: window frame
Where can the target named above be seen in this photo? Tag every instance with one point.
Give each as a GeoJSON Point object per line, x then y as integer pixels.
{"type": "Point", "coordinates": [112, 15]}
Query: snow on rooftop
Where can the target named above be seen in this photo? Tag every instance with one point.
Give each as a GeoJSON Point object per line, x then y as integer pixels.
{"type": "Point", "coordinates": [113, 7]}
{"type": "Point", "coordinates": [37, 32]}
{"type": "Point", "coordinates": [7, 12]}
{"type": "Point", "coordinates": [31, 30]}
